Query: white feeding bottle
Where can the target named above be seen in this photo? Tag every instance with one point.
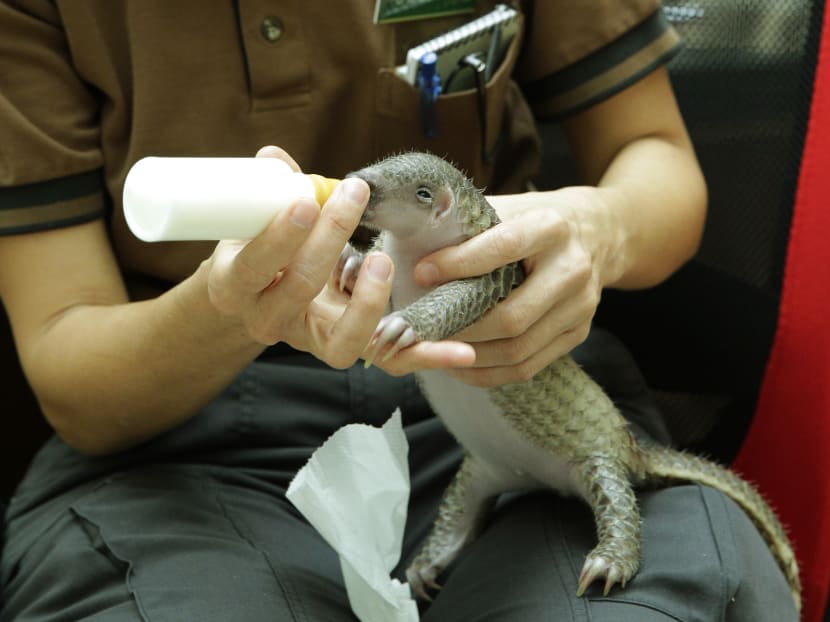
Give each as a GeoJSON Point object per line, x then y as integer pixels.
{"type": "Point", "coordinates": [167, 199]}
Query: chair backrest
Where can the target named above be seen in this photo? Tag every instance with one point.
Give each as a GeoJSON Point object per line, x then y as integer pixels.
{"type": "Point", "coordinates": [745, 83]}
{"type": "Point", "coordinates": [786, 448]}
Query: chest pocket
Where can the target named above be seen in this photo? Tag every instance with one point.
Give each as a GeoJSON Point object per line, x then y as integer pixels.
{"type": "Point", "coordinates": [276, 54]}
{"type": "Point", "coordinates": [470, 123]}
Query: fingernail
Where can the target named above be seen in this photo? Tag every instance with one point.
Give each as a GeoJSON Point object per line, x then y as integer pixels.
{"type": "Point", "coordinates": [380, 268]}
{"type": "Point", "coordinates": [268, 151]}
{"type": "Point", "coordinates": [355, 189]}
{"type": "Point", "coordinates": [426, 274]}
{"type": "Point", "coordinates": [304, 214]}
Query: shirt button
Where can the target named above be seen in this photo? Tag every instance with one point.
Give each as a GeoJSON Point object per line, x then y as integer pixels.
{"type": "Point", "coordinates": [272, 29]}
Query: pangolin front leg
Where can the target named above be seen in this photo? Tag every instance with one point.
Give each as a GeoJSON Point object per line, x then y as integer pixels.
{"type": "Point", "coordinates": [443, 312]}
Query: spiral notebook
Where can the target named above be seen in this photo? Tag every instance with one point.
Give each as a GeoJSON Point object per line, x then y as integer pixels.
{"type": "Point", "coordinates": [488, 35]}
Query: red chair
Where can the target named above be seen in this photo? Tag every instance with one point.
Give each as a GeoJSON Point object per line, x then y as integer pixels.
{"type": "Point", "coordinates": [786, 450]}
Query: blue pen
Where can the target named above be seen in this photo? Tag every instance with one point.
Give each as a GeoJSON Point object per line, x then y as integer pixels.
{"type": "Point", "coordinates": [429, 85]}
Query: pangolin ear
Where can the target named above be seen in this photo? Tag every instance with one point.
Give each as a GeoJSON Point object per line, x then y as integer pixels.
{"type": "Point", "coordinates": [443, 202]}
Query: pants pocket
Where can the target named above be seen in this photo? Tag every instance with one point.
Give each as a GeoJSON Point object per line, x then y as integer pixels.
{"type": "Point", "coordinates": [185, 560]}
{"type": "Point", "coordinates": [69, 573]}
{"type": "Point", "coordinates": [151, 544]}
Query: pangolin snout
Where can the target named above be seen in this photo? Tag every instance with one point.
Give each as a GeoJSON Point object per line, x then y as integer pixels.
{"type": "Point", "coordinates": [375, 193]}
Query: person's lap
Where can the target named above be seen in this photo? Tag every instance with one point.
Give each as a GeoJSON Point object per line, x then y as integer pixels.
{"type": "Point", "coordinates": [174, 543]}
{"type": "Point", "coordinates": [196, 527]}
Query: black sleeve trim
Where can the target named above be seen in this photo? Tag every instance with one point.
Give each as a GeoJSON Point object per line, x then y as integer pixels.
{"type": "Point", "coordinates": [605, 72]}
{"type": "Point", "coordinates": [52, 204]}
{"type": "Point", "coordinates": [52, 191]}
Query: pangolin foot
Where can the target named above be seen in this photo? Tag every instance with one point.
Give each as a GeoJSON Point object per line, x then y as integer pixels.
{"type": "Point", "coordinates": [421, 576]}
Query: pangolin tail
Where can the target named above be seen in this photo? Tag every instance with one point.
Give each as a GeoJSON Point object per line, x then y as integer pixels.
{"type": "Point", "coordinates": [669, 466]}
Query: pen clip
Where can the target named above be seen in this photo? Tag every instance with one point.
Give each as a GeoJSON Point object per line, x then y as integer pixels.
{"type": "Point", "coordinates": [429, 86]}
{"type": "Point", "coordinates": [495, 41]}
{"type": "Point", "coordinates": [475, 62]}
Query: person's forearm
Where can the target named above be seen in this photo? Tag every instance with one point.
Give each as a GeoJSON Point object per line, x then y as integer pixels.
{"type": "Point", "coordinates": [656, 196]}
{"type": "Point", "coordinates": [641, 220]}
{"type": "Point", "coordinates": [111, 376]}
{"type": "Point", "coordinates": [635, 148]}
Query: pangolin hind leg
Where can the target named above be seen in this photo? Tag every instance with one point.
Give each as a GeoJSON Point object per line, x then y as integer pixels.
{"type": "Point", "coordinates": [465, 503]}
{"type": "Point", "coordinates": [616, 557]}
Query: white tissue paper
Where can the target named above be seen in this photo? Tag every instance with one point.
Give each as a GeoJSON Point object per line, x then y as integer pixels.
{"type": "Point", "coordinates": [354, 490]}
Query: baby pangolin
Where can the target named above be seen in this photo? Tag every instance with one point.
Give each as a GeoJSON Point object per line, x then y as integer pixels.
{"type": "Point", "coordinates": [558, 430]}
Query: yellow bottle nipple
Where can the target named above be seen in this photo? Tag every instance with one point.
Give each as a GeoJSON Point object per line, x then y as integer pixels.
{"type": "Point", "coordinates": [323, 187]}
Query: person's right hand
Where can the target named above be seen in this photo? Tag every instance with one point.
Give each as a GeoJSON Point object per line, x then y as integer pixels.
{"type": "Point", "coordinates": [275, 284]}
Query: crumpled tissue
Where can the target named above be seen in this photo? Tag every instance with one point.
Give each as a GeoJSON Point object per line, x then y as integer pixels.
{"type": "Point", "coordinates": [354, 490]}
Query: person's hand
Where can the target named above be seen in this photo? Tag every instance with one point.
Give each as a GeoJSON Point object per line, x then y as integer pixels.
{"type": "Point", "coordinates": [276, 285]}
{"type": "Point", "coordinates": [565, 252]}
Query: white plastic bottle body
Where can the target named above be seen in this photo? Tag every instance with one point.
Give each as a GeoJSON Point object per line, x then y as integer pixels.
{"type": "Point", "coordinates": [180, 198]}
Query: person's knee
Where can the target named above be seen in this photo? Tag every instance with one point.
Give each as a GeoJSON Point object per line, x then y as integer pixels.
{"type": "Point", "coordinates": [701, 559]}
{"type": "Point", "coordinates": [761, 591]}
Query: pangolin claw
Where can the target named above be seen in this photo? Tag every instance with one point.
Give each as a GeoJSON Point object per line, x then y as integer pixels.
{"type": "Point", "coordinates": [348, 277]}
{"type": "Point", "coordinates": [597, 568]}
{"type": "Point", "coordinates": [347, 269]}
{"type": "Point", "coordinates": [392, 335]}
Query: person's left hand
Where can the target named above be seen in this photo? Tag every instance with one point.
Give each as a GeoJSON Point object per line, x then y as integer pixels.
{"type": "Point", "coordinates": [564, 239]}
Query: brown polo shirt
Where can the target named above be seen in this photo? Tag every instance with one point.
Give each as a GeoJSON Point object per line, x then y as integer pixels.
{"type": "Point", "coordinates": [87, 88]}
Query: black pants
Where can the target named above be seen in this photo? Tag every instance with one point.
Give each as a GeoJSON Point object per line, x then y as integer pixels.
{"type": "Point", "coordinates": [195, 526]}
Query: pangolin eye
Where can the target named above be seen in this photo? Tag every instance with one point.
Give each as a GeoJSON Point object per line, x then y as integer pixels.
{"type": "Point", "coordinates": [424, 194]}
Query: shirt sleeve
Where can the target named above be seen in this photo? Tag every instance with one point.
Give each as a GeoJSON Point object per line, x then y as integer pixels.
{"type": "Point", "coordinates": [50, 157]}
{"type": "Point", "coordinates": [578, 54]}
